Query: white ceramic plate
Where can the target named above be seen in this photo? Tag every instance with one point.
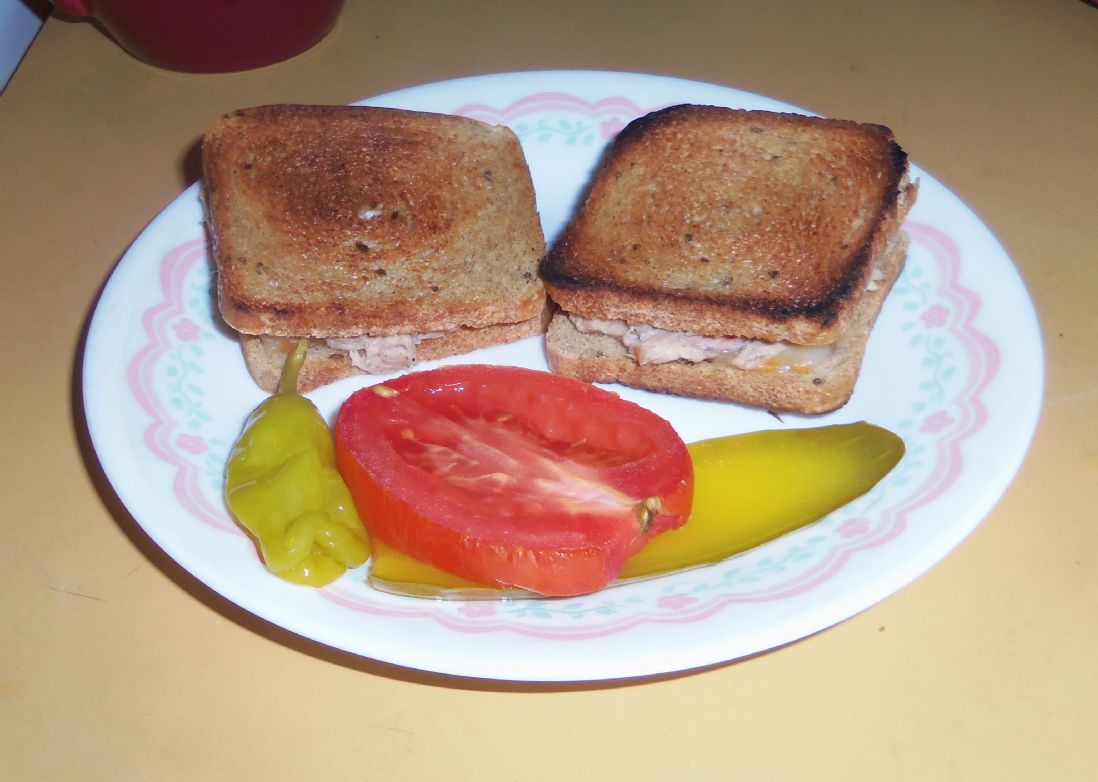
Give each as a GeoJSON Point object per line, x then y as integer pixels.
{"type": "Point", "coordinates": [954, 366]}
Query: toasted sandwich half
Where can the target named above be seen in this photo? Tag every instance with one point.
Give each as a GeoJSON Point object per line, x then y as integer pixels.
{"type": "Point", "coordinates": [731, 255]}
{"type": "Point", "coordinates": [383, 236]}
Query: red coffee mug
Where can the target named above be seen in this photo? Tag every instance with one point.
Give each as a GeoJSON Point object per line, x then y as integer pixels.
{"type": "Point", "coordinates": [211, 36]}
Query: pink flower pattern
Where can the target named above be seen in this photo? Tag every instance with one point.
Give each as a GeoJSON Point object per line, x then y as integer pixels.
{"type": "Point", "coordinates": [676, 602]}
{"type": "Point", "coordinates": [192, 444]}
{"type": "Point", "coordinates": [935, 317]}
{"type": "Point", "coordinates": [852, 528]}
{"type": "Point", "coordinates": [186, 330]}
{"type": "Point", "coordinates": [936, 422]}
{"type": "Point", "coordinates": [476, 609]}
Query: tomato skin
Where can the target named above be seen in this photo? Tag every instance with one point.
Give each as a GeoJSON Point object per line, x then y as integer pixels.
{"type": "Point", "coordinates": [511, 476]}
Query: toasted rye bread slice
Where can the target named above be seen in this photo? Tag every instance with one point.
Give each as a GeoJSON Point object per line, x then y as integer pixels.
{"type": "Point", "coordinates": [340, 221]}
{"type": "Point", "coordinates": [823, 388]}
{"type": "Point", "coordinates": [728, 222]}
{"type": "Point", "coordinates": [265, 356]}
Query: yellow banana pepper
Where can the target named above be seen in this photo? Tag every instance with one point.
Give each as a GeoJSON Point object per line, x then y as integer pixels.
{"type": "Point", "coordinates": [752, 488]}
{"type": "Point", "coordinates": [282, 486]}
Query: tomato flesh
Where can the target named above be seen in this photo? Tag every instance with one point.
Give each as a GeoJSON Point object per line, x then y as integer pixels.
{"type": "Point", "coordinates": [512, 477]}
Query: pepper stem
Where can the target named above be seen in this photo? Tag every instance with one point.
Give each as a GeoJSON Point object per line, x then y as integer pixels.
{"type": "Point", "coordinates": [287, 383]}
{"type": "Point", "coordinates": [646, 511]}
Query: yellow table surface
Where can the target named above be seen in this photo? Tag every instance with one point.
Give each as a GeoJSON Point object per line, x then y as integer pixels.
{"type": "Point", "coordinates": [115, 664]}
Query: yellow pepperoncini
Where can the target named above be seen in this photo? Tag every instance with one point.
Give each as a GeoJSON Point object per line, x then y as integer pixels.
{"type": "Point", "coordinates": [283, 487]}
{"type": "Point", "coordinates": [752, 488]}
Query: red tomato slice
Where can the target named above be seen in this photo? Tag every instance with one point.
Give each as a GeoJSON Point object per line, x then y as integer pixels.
{"type": "Point", "coordinates": [512, 476]}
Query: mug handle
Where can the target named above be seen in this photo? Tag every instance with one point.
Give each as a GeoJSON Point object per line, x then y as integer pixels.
{"type": "Point", "coordinates": [75, 7]}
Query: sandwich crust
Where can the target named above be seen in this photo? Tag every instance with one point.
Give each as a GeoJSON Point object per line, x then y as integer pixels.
{"type": "Point", "coordinates": [338, 221]}
{"type": "Point", "coordinates": [721, 221]}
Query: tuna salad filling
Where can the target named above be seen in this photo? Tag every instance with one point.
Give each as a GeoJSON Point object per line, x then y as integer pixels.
{"type": "Point", "coordinates": [651, 345]}
{"type": "Point", "coordinates": [380, 355]}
